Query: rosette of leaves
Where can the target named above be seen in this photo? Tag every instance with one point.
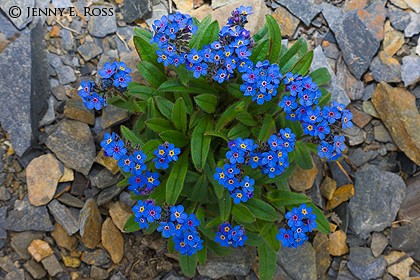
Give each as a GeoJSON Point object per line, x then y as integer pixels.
{"type": "Point", "coordinates": [200, 116]}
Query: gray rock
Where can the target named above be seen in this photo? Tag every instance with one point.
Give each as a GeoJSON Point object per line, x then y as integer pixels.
{"type": "Point", "coordinates": [69, 200]}
{"type": "Point", "coordinates": [381, 134]}
{"type": "Point", "coordinates": [399, 19]}
{"type": "Point", "coordinates": [413, 27]}
{"type": "Point", "coordinates": [378, 244]}
{"type": "Point", "coordinates": [369, 89]}
{"type": "Point", "coordinates": [218, 3]}
{"type": "Point", "coordinates": [332, 14]}
{"type": "Point", "coordinates": [125, 198]}
{"type": "Point", "coordinates": [98, 273]}
{"type": "Point", "coordinates": [52, 265]}
{"type": "Point", "coordinates": [411, 204]}
{"type": "Point", "coordinates": [6, 264]}
{"type": "Point", "coordinates": [108, 194]}
{"type": "Point", "coordinates": [298, 263]}
{"type": "Point", "coordinates": [72, 142]}
{"type": "Point", "coordinates": [98, 257]}
{"type": "Point", "coordinates": [112, 115]}
{"type": "Point", "coordinates": [355, 135]}
{"type": "Point", "coordinates": [17, 274]}
{"type": "Point", "coordinates": [49, 116]}
{"type": "Point", "coordinates": [102, 178]}
{"type": "Point", "coordinates": [385, 69]}
{"type": "Point", "coordinates": [23, 98]}
{"type": "Point", "coordinates": [410, 70]}
{"type": "Point", "coordinates": [3, 213]}
{"type": "Point", "coordinates": [172, 276]}
{"type": "Point", "coordinates": [89, 50]}
{"type": "Point", "coordinates": [337, 93]}
{"type": "Point", "coordinates": [35, 269]}
{"type": "Point", "coordinates": [359, 157]}
{"type": "Point", "coordinates": [102, 25]}
{"type": "Point", "coordinates": [302, 9]}
{"type": "Point", "coordinates": [378, 196]}
{"type": "Point", "coordinates": [67, 40]}
{"type": "Point", "coordinates": [364, 265]}
{"type": "Point", "coordinates": [64, 217]}
{"type": "Point", "coordinates": [120, 276]}
{"type": "Point", "coordinates": [20, 242]}
{"type": "Point", "coordinates": [26, 217]}
{"type": "Point", "coordinates": [344, 272]}
{"type": "Point", "coordinates": [16, 10]}
{"type": "Point", "coordinates": [135, 9]}
{"type": "Point", "coordinates": [62, 3]}
{"type": "Point", "coordinates": [7, 27]}
{"type": "Point", "coordinates": [220, 266]}
{"type": "Point", "coordinates": [407, 238]}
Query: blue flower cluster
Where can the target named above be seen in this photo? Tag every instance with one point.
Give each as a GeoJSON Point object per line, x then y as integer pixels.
{"type": "Point", "coordinates": [218, 59]}
{"type": "Point", "coordinates": [146, 212]}
{"type": "Point", "coordinates": [141, 181]}
{"type": "Point", "coordinates": [182, 227]}
{"type": "Point", "coordinates": [300, 221]}
{"type": "Point", "coordinates": [300, 104]}
{"type": "Point", "coordinates": [113, 75]}
{"type": "Point", "coordinates": [231, 236]}
{"type": "Point", "coordinates": [271, 157]}
{"type": "Point", "coordinates": [261, 82]}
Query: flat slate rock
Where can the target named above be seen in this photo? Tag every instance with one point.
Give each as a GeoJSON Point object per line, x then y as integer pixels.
{"type": "Point", "coordinates": [135, 9]}
{"type": "Point", "coordinates": [102, 25]}
{"type": "Point", "coordinates": [378, 196]}
{"type": "Point", "coordinates": [385, 68]}
{"type": "Point", "coordinates": [302, 9]}
{"type": "Point", "coordinates": [19, 20]}
{"type": "Point", "coordinates": [26, 217]}
{"type": "Point", "coordinates": [364, 265]}
{"type": "Point", "coordinates": [298, 263]}
{"type": "Point", "coordinates": [108, 194]}
{"type": "Point", "coordinates": [3, 212]}
{"type": "Point", "coordinates": [89, 50]}
{"type": "Point", "coordinates": [399, 19]}
{"type": "Point", "coordinates": [407, 238]}
{"type": "Point", "coordinates": [64, 217]}
{"type": "Point", "coordinates": [72, 142]}
{"type": "Point", "coordinates": [410, 71]}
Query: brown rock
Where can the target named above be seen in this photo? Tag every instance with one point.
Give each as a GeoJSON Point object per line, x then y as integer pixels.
{"type": "Point", "coordinates": [351, 5]}
{"type": "Point", "coordinates": [108, 162]}
{"type": "Point", "coordinates": [71, 261]}
{"type": "Point", "coordinates": [302, 180]}
{"type": "Point", "coordinates": [287, 22]}
{"type": "Point", "coordinates": [42, 176]}
{"type": "Point", "coordinates": [119, 213]}
{"type": "Point", "coordinates": [413, 4]}
{"type": "Point", "coordinates": [409, 209]}
{"type": "Point", "coordinates": [55, 31]}
{"type": "Point", "coordinates": [76, 110]}
{"type": "Point", "coordinates": [63, 239]}
{"type": "Point", "coordinates": [323, 259]}
{"type": "Point", "coordinates": [393, 40]}
{"type": "Point", "coordinates": [400, 3]}
{"type": "Point", "coordinates": [184, 5]}
{"type": "Point", "coordinates": [35, 269]}
{"type": "Point", "coordinates": [112, 240]}
{"type": "Point", "coordinates": [374, 18]}
{"type": "Point", "coordinates": [337, 245]}
{"type": "Point", "coordinates": [98, 273]}
{"type": "Point", "coordinates": [399, 264]}
{"type": "Point", "coordinates": [360, 118]}
{"type": "Point", "coordinates": [397, 109]}
{"type": "Point", "coordinates": [90, 224]}
{"type": "Point", "coordinates": [342, 194]}
{"type": "Point", "coordinates": [39, 249]}
{"type": "Point", "coordinates": [113, 115]}
{"type": "Point", "coordinates": [328, 188]}
{"type": "Point", "coordinates": [68, 175]}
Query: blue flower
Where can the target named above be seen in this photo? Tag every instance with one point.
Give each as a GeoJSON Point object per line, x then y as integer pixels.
{"type": "Point", "coordinates": [108, 70]}
{"type": "Point", "coordinates": [153, 213]}
{"type": "Point", "coordinates": [322, 129]}
{"type": "Point", "coordinates": [108, 139]}
{"type": "Point", "coordinates": [120, 66]}
{"type": "Point", "coordinates": [294, 218]}
{"type": "Point", "coordinates": [178, 214]}
{"type": "Point", "coordinates": [331, 114]}
{"type": "Point", "coordinates": [126, 162]}
{"type": "Point", "coordinates": [288, 103]}
{"type": "Point", "coordinates": [325, 150]}
{"type": "Point", "coordinates": [167, 229]}
{"type": "Point", "coordinates": [286, 237]}
{"type": "Point", "coordinates": [94, 101]}
{"type": "Point", "coordinates": [152, 179]}
{"type": "Point", "coordinates": [121, 79]}
{"type": "Point", "coordinates": [136, 183]}
{"type": "Point", "coordinates": [239, 196]}
{"type": "Point", "coordinates": [220, 176]}
{"type": "Point", "coordinates": [346, 118]}
{"type": "Point", "coordinates": [339, 145]}
{"type": "Point", "coordinates": [85, 88]}
{"type": "Point", "coordinates": [228, 236]}
{"type": "Point", "coordinates": [116, 149]}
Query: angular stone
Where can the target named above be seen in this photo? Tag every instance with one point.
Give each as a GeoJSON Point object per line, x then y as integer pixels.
{"type": "Point", "coordinates": [70, 261]}
{"type": "Point", "coordinates": [3, 212]}
{"type": "Point", "coordinates": [302, 180]}
{"type": "Point", "coordinates": [323, 259]}
{"type": "Point", "coordinates": [399, 265]}
{"type": "Point", "coordinates": [337, 245]}
{"type": "Point", "coordinates": [62, 238]}
{"type": "Point", "coordinates": [6, 264]}
{"type": "Point", "coordinates": [112, 115]}
{"type": "Point", "coordinates": [381, 134]}
{"type": "Point", "coordinates": [220, 266]}
{"type": "Point", "coordinates": [104, 24]}
{"type": "Point", "coordinates": [359, 156]}
{"type": "Point", "coordinates": [64, 217]}
{"type": "Point", "coordinates": [108, 194]}
{"type": "Point", "coordinates": [42, 176]}
{"type": "Point", "coordinates": [337, 92]}
{"type": "Point", "coordinates": [339, 173]}
{"type": "Point", "coordinates": [49, 116]}
{"type": "Point", "coordinates": [410, 207]}
{"type": "Point", "coordinates": [16, 11]}
{"type": "Point", "coordinates": [413, 27]}
{"type": "Point", "coordinates": [119, 213]}
{"type": "Point", "coordinates": [332, 14]}
{"type": "Point", "coordinates": [369, 109]}
{"type": "Point", "coordinates": [393, 40]}
{"type": "Point", "coordinates": [355, 135]}
{"type": "Point", "coordinates": [342, 194]}
{"type": "Point", "coordinates": [20, 242]}
{"type": "Point", "coordinates": [68, 175]}
{"type": "Point", "coordinates": [112, 240]}
{"type": "Point", "coordinates": [407, 238]}
{"type": "Point", "coordinates": [90, 224]}
{"type": "Point", "coordinates": [79, 184]}
{"type": "Point", "coordinates": [39, 250]}
{"type": "Point", "coordinates": [378, 244]}
{"type": "Point", "coordinates": [413, 4]}
{"type": "Point", "coordinates": [35, 269]}
{"type": "Point", "coordinates": [67, 40]}
{"type": "Point", "coordinates": [72, 143]}
{"type": "Point", "coordinates": [304, 10]}
{"type": "Point", "coordinates": [98, 257]}
{"type": "Point", "coordinates": [364, 265]}
{"type": "Point", "coordinates": [287, 22]}
{"type": "Point", "coordinates": [184, 5]}
{"type": "Point", "coordinates": [103, 178]}
{"type": "Point", "coordinates": [69, 200]}
{"type": "Point", "coordinates": [15, 274]}
{"type": "Point", "coordinates": [352, 5]}
{"type": "Point", "coordinates": [399, 19]}
{"type": "Point", "coordinates": [398, 111]}
{"type": "Point", "coordinates": [328, 188]}
{"type": "Point", "coordinates": [25, 217]}
{"type": "Point", "coordinates": [298, 263]}
{"type": "Point", "coordinates": [378, 196]}
{"type": "Point", "coordinates": [361, 119]}
{"type": "Point", "coordinates": [89, 50]}
{"type": "Point", "coordinates": [65, 73]}
{"type": "Point", "coordinates": [410, 71]}
{"type": "Point", "coordinates": [76, 110]}
{"type": "Point", "coordinates": [98, 273]}
{"type": "Point", "coordinates": [135, 9]}
{"type": "Point", "coordinates": [108, 162]}
{"type": "Point", "coordinates": [385, 68]}
{"type": "Point", "coordinates": [52, 265]}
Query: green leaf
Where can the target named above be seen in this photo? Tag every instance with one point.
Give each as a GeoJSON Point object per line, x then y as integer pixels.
{"type": "Point", "coordinates": [217, 134]}
{"type": "Point", "coordinates": [225, 205]}
{"type": "Point", "coordinates": [131, 225]}
{"type": "Point", "coordinates": [184, 76]}
{"type": "Point", "coordinates": [176, 86]}
{"type": "Point", "coordinates": [239, 130]}
{"type": "Point", "coordinates": [141, 91]}
{"type": "Point", "coordinates": [325, 98]}
{"type": "Point", "coordinates": [176, 179]}
{"type": "Point", "coordinates": [242, 214]}
{"type": "Point", "coordinates": [302, 67]}
{"type": "Point", "coordinates": [234, 90]}
{"type": "Point", "coordinates": [158, 125]}
{"type": "Point", "coordinates": [174, 137]}
{"type": "Point", "coordinates": [209, 34]}
{"type": "Point", "coordinates": [179, 115]}
{"type": "Point", "coordinates": [254, 239]}
{"type": "Point", "coordinates": [297, 53]}
{"type": "Point", "coordinates": [207, 102]}
{"type": "Point", "coordinates": [188, 264]}
{"type": "Point", "coordinates": [201, 28]}
{"type": "Point", "coordinates": [247, 119]}
{"type": "Point", "coordinates": [275, 38]}
{"type": "Point", "coordinates": [214, 222]}
{"type": "Point", "coordinates": [151, 73]}
{"type": "Point", "coordinates": [144, 33]}
{"type": "Point", "coordinates": [283, 198]}
{"type": "Point", "coordinates": [261, 33]}
{"type": "Point", "coordinates": [320, 76]}
{"type": "Point", "coordinates": [260, 51]}
{"type": "Point", "coordinates": [303, 156]}
{"type": "Point", "coordinates": [267, 129]}
{"type": "Point", "coordinates": [262, 209]}
{"type": "Point", "coordinates": [267, 262]}
{"type": "Point", "coordinates": [322, 223]}
{"type": "Point", "coordinates": [202, 254]}
{"type": "Point", "coordinates": [130, 104]}
{"type": "Point", "coordinates": [152, 111]}
{"type": "Point", "coordinates": [200, 143]}
{"type": "Point", "coordinates": [146, 51]}
{"type": "Point", "coordinates": [130, 136]}
{"type": "Point", "coordinates": [269, 236]}
{"type": "Point", "coordinates": [152, 228]}
{"type": "Point", "coordinates": [295, 126]}
{"type": "Point", "coordinates": [150, 146]}
{"type": "Point", "coordinates": [229, 115]}
{"type": "Point", "coordinates": [165, 106]}
{"type": "Point", "coordinates": [200, 190]}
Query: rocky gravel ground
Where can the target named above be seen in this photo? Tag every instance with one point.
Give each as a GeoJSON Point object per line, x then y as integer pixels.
{"type": "Point", "coordinates": [62, 215]}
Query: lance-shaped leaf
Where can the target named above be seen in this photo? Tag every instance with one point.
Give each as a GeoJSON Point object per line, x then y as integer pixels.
{"type": "Point", "coordinates": [207, 102]}
{"type": "Point", "coordinates": [176, 179]}
{"type": "Point", "coordinates": [179, 115]}
{"type": "Point", "coordinates": [200, 143]}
